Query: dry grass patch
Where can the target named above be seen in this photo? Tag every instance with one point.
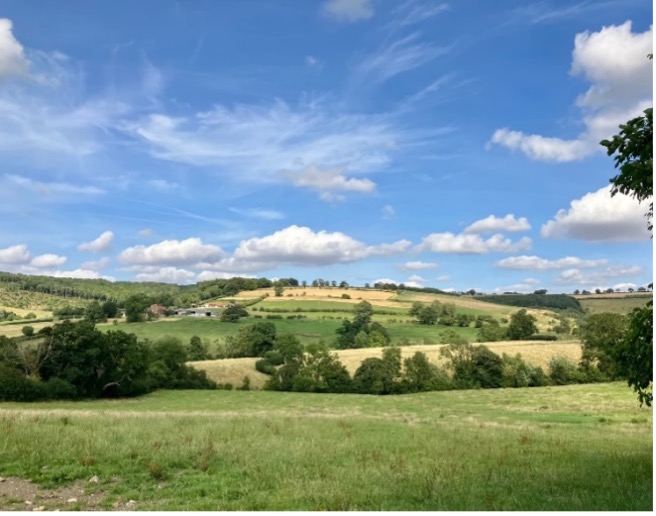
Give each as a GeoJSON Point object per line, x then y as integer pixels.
{"type": "Point", "coordinates": [320, 294]}
{"type": "Point", "coordinates": [232, 370]}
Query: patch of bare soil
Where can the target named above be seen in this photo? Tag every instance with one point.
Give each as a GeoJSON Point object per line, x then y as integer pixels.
{"type": "Point", "coordinates": [18, 494]}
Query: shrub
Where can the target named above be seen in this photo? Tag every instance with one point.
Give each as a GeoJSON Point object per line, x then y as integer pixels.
{"type": "Point", "coordinates": [264, 366]}
{"type": "Point", "coordinates": [542, 336]}
{"type": "Point", "coordinates": [562, 371]}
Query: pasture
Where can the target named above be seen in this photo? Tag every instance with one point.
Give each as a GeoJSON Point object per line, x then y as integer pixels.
{"type": "Point", "coordinates": [613, 303]}
{"type": "Point", "coordinates": [579, 447]}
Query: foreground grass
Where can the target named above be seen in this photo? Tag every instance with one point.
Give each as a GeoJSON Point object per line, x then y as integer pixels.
{"type": "Point", "coordinates": [558, 448]}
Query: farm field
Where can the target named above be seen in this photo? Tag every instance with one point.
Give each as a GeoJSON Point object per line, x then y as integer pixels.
{"type": "Point", "coordinates": [611, 303]}
{"type": "Point", "coordinates": [310, 330]}
{"type": "Point", "coordinates": [580, 447]}
{"type": "Point", "coordinates": [539, 353]}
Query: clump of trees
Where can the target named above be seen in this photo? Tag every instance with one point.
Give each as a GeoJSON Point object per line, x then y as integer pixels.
{"type": "Point", "coordinates": [75, 360]}
{"type": "Point", "coordinates": [361, 332]}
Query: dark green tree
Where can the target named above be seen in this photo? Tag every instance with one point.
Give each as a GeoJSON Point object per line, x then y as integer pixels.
{"type": "Point", "coordinates": [136, 307]}
{"type": "Point", "coordinates": [94, 313]}
{"type": "Point", "coordinates": [522, 325]}
{"type": "Point", "coordinates": [601, 335]}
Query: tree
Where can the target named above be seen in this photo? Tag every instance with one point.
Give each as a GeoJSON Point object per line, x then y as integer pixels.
{"type": "Point", "coordinates": [110, 308]}
{"type": "Point", "coordinates": [278, 290]}
{"type": "Point", "coordinates": [136, 307]}
{"type": "Point", "coordinates": [633, 148]}
{"type": "Point", "coordinates": [522, 325]}
{"type": "Point", "coordinates": [27, 331]}
{"type": "Point", "coordinates": [196, 349]}
{"type": "Point", "coordinates": [601, 334]}
{"type": "Point", "coordinates": [94, 313]}
{"type": "Point", "coordinates": [233, 313]}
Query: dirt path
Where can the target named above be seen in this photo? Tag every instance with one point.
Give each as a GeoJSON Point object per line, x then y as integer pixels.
{"type": "Point", "coordinates": [18, 494]}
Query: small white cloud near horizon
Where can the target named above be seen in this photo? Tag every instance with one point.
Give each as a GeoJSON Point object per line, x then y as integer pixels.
{"type": "Point", "coordinates": [48, 261]}
{"type": "Point", "coordinates": [96, 265]}
{"type": "Point", "coordinates": [535, 263]}
{"type": "Point", "coordinates": [418, 266]}
{"type": "Point", "coordinates": [168, 275]}
{"type": "Point", "coordinates": [524, 287]}
{"type": "Point", "coordinates": [600, 279]}
{"type": "Point", "coordinates": [348, 11]}
{"type": "Point", "coordinates": [471, 244]}
{"type": "Point", "coordinates": [598, 217]}
{"type": "Point", "coordinates": [492, 224]}
{"type": "Point", "coordinates": [15, 255]}
{"type": "Point", "coordinates": [100, 245]}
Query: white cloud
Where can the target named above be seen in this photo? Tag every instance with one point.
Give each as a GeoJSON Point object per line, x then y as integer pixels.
{"type": "Point", "coordinates": [411, 12]}
{"type": "Point", "coordinates": [395, 58]}
{"type": "Point", "coordinates": [526, 286]}
{"type": "Point", "coordinates": [78, 273]}
{"type": "Point", "coordinates": [614, 60]}
{"type": "Point", "coordinates": [12, 56]}
{"type": "Point", "coordinates": [471, 244]}
{"type": "Point", "coordinates": [263, 143]}
{"type": "Point", "coordinates": [168, 275]}
{"type": "Point", "coordinates": [211, 275]}
{"type": "Point", "coordinates": [491, 224]}
{"type": "Point", "coordinates": [96, 265]}
{"type": "Point", "coordinates": [171, 252]}
{"type": "Point", "coordinates": [301, 245]}
{"type": "Point", "coordinates": [535, 263]}
{"type": "Point", "coordinates": [312, 62]}
{"type": "Point", "coordinates": [100, 245]}
{"type": "Point", "coordinates": [52, 189]}
{"type": "Point", "coordinates": [163, 185]}
{"type": "Point", "coordinates": [146, 232]}
{"type": "Point", "coordinates": [576, 277]}
{"type": "Point", "coordinates": [598, 217]}
{"type": "Point", "coordinates": [328, 181]}
{"type": "Point", "coordinates": [48, 261]}
{"type": "Point", "coordinates": [259, 213]}
{"type": "Point", "coordinates": [348, 10]}
{"type": "Point", "coordinates": [16, 254]}
{"type": "Point", "coordinates": [418, 266]}
{"type": "Point", "coordinates": [388, 212]}
{"type": "Point", "coordinates": [444, 278]}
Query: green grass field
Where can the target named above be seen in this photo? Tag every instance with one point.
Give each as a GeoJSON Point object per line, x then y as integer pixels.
{"type": "Point", "coordinates": [584, 447]}
{"type": "Point", "coordinates": [310, 330]}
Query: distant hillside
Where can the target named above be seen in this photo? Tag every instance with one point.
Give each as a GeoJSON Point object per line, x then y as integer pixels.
{"type": "Point", "coordinates": [550, 301]}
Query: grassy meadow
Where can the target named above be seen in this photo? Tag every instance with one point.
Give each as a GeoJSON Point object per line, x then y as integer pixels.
{"type": "Point", "coordinates": [613, 303]}
{"type": "Point", "coordinates": [582, 447]}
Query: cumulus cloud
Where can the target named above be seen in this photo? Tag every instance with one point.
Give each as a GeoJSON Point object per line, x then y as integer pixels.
{"type": "Point", "coordinates": [535, 263]}
{"type": "Point", "coordinates": [168, 275]}
{"type": "Point", "coordinates": [328, 181]}
{"type": "Point", "coordinates": [492, 223]}
{"type": "Point", "coordinates": [418, 266]}
{"type": "Point", "coordinates": [528, 285]}
{"type": "Point", "coordinates": [15, 254]}
{"type": "Point", "coordinates": [12, 56]}
{"type": "Point", "coordinates": [301, 245]}
{"type": "Point", "coordinates": [96, 265]}
{"type": "Point", "coordinates": [48, 261]}
{"type": "Point", "coordinates": [100, 245]}
{"type": "Point", "coordinates": [78, 273]}
{"type": "Point", "coordinates": [171, 252]}
{"type": "Point", "coordinates": [598, 217]}
{"type": "Point", "coordinates": [348, 10]}
{"type": "Point", "coordinates": [614, 60]}
{"type": "Point", "coordinates": [471, 244]}
{"type": "Point", "coordinates": [600, 279]}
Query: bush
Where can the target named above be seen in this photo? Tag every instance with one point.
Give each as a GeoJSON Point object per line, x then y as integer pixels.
{"type": "Point", "coordinates": [264, 366]}
{"type": "Point", "coordinates": [275, 357]}
{"type": "Point", "coordinates": [14, 386]}
{"type": "Point", "coordinates": [542, 336]}
{"type": "Point", "coordinates": [562, 371]}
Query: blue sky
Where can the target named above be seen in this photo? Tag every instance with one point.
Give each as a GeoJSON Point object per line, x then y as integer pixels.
{"type": "Point", "coordinates": [450, 145]}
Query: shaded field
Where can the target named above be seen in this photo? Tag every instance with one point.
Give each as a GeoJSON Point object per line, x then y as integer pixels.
{"type": "Point", "coordinates": [539, 353]}
{"type": "Point", "coordinates": [310, 330]}
{"type": "Point", "coordinates": [580, 447]}
{"type": "Point", "coordinates": [622, 305]}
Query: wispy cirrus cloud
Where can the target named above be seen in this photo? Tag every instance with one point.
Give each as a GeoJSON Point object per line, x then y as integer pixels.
{"type": "Point", "coordinates": [348, 11]}
{"type": "Point", "coordinates": [50, 190]}
{"type": "Point", "coordinates": [394, 58]}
